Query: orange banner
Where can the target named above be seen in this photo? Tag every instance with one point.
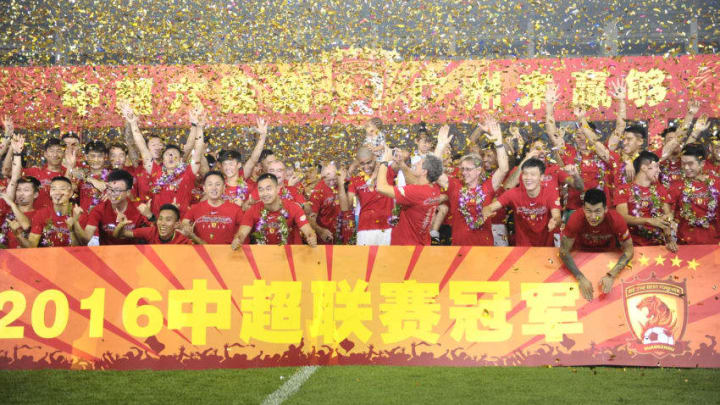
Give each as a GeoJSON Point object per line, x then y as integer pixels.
{"type": "Point", "coordinates": [351, 85]}
{"type": "Point", "coordinates": [197, 307]}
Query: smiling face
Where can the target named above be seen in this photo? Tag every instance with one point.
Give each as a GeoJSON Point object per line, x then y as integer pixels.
{"type": "Point", "coordinates": [268, 191]}
{"type": "Point", "coordinates": [54, 155]}
{"type": "Point", "coordinates": [156, 147]}
{"type": "Point", "coordinates": [471, 173]}
{"type": "Point", "coordinates": [329, 175]}
{"type": "Point", "coordinates": [117, 192]}
{"type": "Point", "coordinates": [96, 160]}
{"type": "Point", "coordinates": [214, 187]}
{"type": "Point", "coordinates": [117, 158]}
{"type": "Point", "coordinates": [540, 149]}
{"type": "Point", "coordinates": [692, 166]}
{"type": "Point", "coordinates": [25, 194]}
{"type": "Point", "coordinates": [632, 143]}
{"type": "Point", "coordinates": [278, 169]}
{"type": "Point", "coordinates": [60, 192]}
{"type": "Point", "coordinates": [166, 222]}
{"type": "Point", "coordinates": [594, 213]}
{"type": "Point", "coordinates": [651, 170]}
{"type": "Point", "coordinates": [489, 158]}
{"type": "Point", "coordinates": [531, 178]}
{"type": "Point", "coordinates": [71, 143]}
{"type": "Point", "coordinates": [230, 168]}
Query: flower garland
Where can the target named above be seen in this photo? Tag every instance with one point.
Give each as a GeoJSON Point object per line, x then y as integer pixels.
{"type": "Point", "coordinates": [49, 229]}
{"type": "Point", "coordinates": [241, 191]}
{"type": "Point", "coordinates": [464, 198]}
{"type": "Point", "coordinates": [97, 195]}
{"type": "Point", "coordinates": [686, 210]}
{"type": "Point", "coordinates": [168, 178]}
{"type": "Point", "coordinates": [599, 163]}
{"type": "Point", "coordinates": [262, 226]}
{"type": "Point", "coordinates": [394, 217]}
{"type": "Point", "coordinates": [648, 232]}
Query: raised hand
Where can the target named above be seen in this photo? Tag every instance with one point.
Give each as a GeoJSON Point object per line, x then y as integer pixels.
{"type": "Point", "coordinates": [17, 143]}
{"type": "Point", "coordinates": [144, 208]}
{"type": "Point", "coordinates": [388, 154]}
{"type": "Point", "coordinates": [9, 125]}
{"type": "Point", "coordinates": [702, 123]}
{"type": "Point", "coordinates": [579, 112]}
{"type": "Point", "coordinates": [693, 107]}
{"type": "Point", "coordinates": [262, 127]}
{"type": "Point", "coordinates": [128, 114]}
{"type": "Point", "coordinates": [618, 89]}
{"type": "Point", "coordinates": [77, 211]}
{"type": "Point", "coordinates": [492, 126]}
{"type": "Point", "coordinates": [551, 94]}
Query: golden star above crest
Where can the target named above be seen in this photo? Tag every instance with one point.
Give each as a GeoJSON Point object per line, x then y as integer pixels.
{"type": "Point", "coordinates": [659, 260]}
{"type": "Point", "coordinates": [676, 261]}
{"type": "Point", "coordinates": [644, 260]}
{"type": "Point", "coordinates": [693, 264]}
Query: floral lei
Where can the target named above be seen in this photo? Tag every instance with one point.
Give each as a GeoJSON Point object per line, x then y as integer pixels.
{"type": "Point", "coordinates": [240, 191]}
{"type": "Point", "coordinates": [168, 178]}
{"type": "Point", "coordinates": [5, 229]}
{"type": "Point", "coordinates": [394, 217]}
{"type": "Point", "coordinates": [262, 225]}
{"type": "Point", "coordinates": [96, 194]}
{"type": "Point", "coordinates": [464, 198]}
{"type": "Point", "coordinates": [686, 210]}
{"type": "Point", "coordinates": [49, 228]}
{"type": "Point", "coordinates": [648, 232]}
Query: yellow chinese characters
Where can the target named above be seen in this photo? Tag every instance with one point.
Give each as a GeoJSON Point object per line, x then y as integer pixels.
{"type": "Point", "coordinates": [546, 314]}
{"type": "Point", "coordinates": [646, 87]}
{"type": "Point", "coordinates": [590, 90]}
{"type": "Point", "coordinates": [410, 310]}
{"type": "Point", "coordinates": [137, 93]}
{"type": "Point", "coordinates": [349, 307]}
{"type": "Point", "coordinates": [533, 88]}
{"type": "Point", "coordinates": [199, 319]}
{"type": "Point", "coordinates": [186, 87]}
{"type": "Point", "coordinates": [469, 310]}
{"type": "Point", "coordinates": [271, 313]}
{"type": "Point", "coordinates": [80, 96]}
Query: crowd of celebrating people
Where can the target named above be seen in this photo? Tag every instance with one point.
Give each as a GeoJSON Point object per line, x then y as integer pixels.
{"type": "Point", "coordinates": [579, 191]}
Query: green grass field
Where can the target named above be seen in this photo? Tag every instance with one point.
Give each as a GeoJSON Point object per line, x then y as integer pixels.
{"type": "Point", "coordinates": [372, 384]}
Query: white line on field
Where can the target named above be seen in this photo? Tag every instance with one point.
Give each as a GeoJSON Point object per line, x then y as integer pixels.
{"type": "Point", "coordinates": [291, 386]}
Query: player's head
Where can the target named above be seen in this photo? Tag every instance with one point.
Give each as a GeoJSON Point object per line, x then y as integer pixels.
{"type": "Point", "coordinates": [277, 168]}
{"type": "Point", "coordinates": [267, 156]}
{"type": "Point", "coordinates": [119, 184]}
{"type": "Point", "coordinates": [214, 185]}
{"type": "Point", "coordinates": [118, 155]}
{"type": "Point", "coordinates": [167, 219]}
{"type": "Point", "coordinates": [366, 160]}
{"type": "Point", "coordinates": [634, 138]}
{"type": "Point", "coordinates": [268, 188]}
{"type": "Point", "coordinates": [172, 157]}
{"type": "Point", "coordinates": [538, 146]}
{"type": "Point", "coordinates": [423, 142]}
{"type": "Point", "coordinates": [230, 162]}
{"type": "Point", "coordinates": [60, 190]}
{"type": "Point", "coordinates": [156, 145]}
{"type": "Point", "coordinates": [471, 168]}
{"type": "Point", "coordinates": [329, 174]}
{"type": "Point", "coordinates": [54, 150]}
{"type": "Point", "coordinates": [373, 126]}
{"type": "Point", "coordinates": [27, 191]}
{"type": "Point", "coordinates": [430, 167]}
{"type": "Point", "coordinates": [96, 154]}
{"type": "Point", "coordinates": [532, 172]}
{"type": "Point", "coordinates": [71, 140]}
{"type": "Point", "coordinates": [693, 157]}
{"type": "Point", "coordinates": [594, 206]}
{"type": "Point", "coordinates": [648, 164]}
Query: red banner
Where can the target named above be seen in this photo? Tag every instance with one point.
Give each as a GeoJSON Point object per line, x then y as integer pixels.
{"type": "Point", "coordinates": [350, 86]}
{"type": "Point", "coordinates": [198, 307]}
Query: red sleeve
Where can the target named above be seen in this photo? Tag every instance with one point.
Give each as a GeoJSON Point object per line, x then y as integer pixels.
{"type": "Point", "coordinates": [31, 171]}
{"type": "Point", "coordinates": [575, 224]}
{"type": "Point", "coordinates": [409, 195]}
{"type": "Point", "coordinates": [352, 187]}
{"type": "Point", "coordinates": [674, 192]}
{"type": "Point", "coordinates": [622, 195]}
{"type": "Point", "coordinates": [251, 216]}
{"type": "Point", "coordinates": [453, 186]}
{"type": "Point", "coordinates": [95, 216]}
{"type": "Point", "coordinates": [143, 233]}
{"type": "Point", "coordinates": [561, 175]}
{"type": "Point", "coordinates": [190, 214]}
{"type": "Point", "coordinates": [297, 214]}
{"type": "Point", "coordinates": [391, 174]}
{"type": "Point", "coordinates": [297, 195]}
{"type": "Point", "coordinates": [38, 222]}
{"type": "Point", "coordinates": [509, 196]}
{"type": "Point", "coordinates": [316, 198]}
{"type": "Point", "coordinates": [254, 194]}
{"type": "Point", "coordinates": [568, 155]}
{"type": "Point", "coordinates": [619, 226]}
{"type": "Point", "coordinates": [239, 214]}
{"type": "Point", "coordinates": [553, 198]}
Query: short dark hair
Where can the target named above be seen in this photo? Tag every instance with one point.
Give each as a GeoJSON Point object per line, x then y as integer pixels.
{"type": "Point", "coordinates": [30, 180]}
{"type": "Point", "coordinates": [264, 154]}
{"type": "Point", "coordinates": [210, 159]}
{"type": "Point", "coordinates": [227, 154]}
{"type": "Point", "coordinates": [644, 158]}
{"type": "Point", "coordinates": [121, 175]}
{"type": "Point", "coordinates": [172, 146]}
{"type": "Point", "coordinates": [70, 135]}
{"type": "Point", "coordinates": [694, 149]}
{"type": "Point", "coordinates": [214, 173]}
{"type": "Point", "coordinates": [422, 132]}
{"type": "Point", "coordinates": [594, 196]}
{"type": "Point", "coordinates": [53, 142]}
{"type": "Point", "coordinates": [637, 129]}
{"type": "Point", "coordinates": [670, 129]}
{"type": "Point", "coordinates": [534, 162]}
{"type": "Point", "coordinates": [118, 145]}
{"type": "Point", "coordinates": [170, 207]}
{"type": "Point", "coordinates": [61, 178]}
{"type": "Point", "coordinates": [96, 146]}
{"type": "Point", "coordinates": [266, 176]}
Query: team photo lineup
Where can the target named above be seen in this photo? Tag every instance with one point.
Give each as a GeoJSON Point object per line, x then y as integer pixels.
{"type": "Point", "coordinates": [569, 186]}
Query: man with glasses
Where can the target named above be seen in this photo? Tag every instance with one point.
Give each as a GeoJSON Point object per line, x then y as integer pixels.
{"type": "Point", "coordinates": [105, 215]}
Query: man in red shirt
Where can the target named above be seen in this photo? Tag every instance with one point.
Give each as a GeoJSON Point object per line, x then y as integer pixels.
{"type": "Point", "coordinates": [237, 187]}
{"type": "Point", "coordinates": [595, 228]}
{"type": "Point", "coordinates": [325, 203]}
{"type": "Point", "coordinates": [273, 220]}
{"type": "Point", "coordinates": [108, 213]}
{"type": "Point", "coordinates": [536, 207]}
{"type": "Point", "coordinates": [696, 200]}
{"type": "Point", "coordinates": [417, 201]}
{"type": "Point", "coordinates": [215, 220]}
{"type": "Point", "coordinates": [645, 204]}
{"type": "Point", "coordinates": [53, 153]}
{"type": "Point", "coordinates": [376, 210]}
{"type": "Point", "coordinates": [91, 186]}
{"type": "Point", "coordinates": [15, 229]}
{"type": "Point", "coordinates": [165, 230]}
{"type": "Point", "coordinates": [53, 225]}
{"type": "Point", "coordinates": [469, 227]}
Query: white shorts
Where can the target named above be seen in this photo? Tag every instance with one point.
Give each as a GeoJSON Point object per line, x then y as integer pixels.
{"type": "Point", "coordinates": [375, 237]}
{"type": "Point", "coordinates": [500, 235]}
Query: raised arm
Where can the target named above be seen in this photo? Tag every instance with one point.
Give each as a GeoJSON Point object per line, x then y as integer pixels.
{"type": "Point", "coordinates": [551, 98]}
{"type": "Point", "coordinates": [493, 128]}
{"type": "Point", "coordinates": [145, 154]}
{"type": "Point", "coordinates": [262, 129]}
{"type": "Point", "coordinates": [444, 139]}
{"type": "Point", "coordinates": [130, 142]}
{"type": "Point", "coordinates": [592, 139]}
{"type": "Point", "coordinates": [566, 245]}
{"type": "Point", "coordinates": [383, 187]}
{"type": "Point", "coordinates": [16, 147]}
{"type": "Point", "coordinates": [618, 91]}
{"type": "Point", "coordinates": [342, 194]}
